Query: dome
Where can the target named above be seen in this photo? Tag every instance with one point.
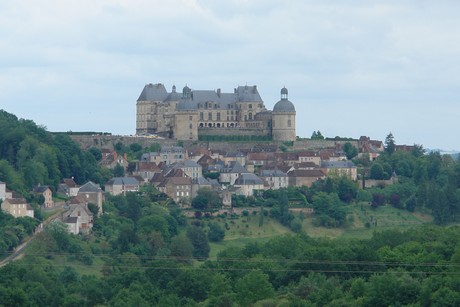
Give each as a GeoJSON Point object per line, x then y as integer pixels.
{"type": "Point", "coordinates": [284, 105]}
{"type": "Point", "coordinates": [173, 96]}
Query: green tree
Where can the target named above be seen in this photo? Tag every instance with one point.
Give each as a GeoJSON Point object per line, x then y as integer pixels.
{"type": "Point", "coordinates": [350, 150]}
{"type": "Point", "coordinates": [199, 241]}
{"type": "Point", "coordinates": [216, 232]}
{"type": "Point", "coordinates": [118, 171]}
{"type": "Point", "coordinates": [253, 287]}
{"type": "Point", "coordinates": [390, 145]}
{"type": "Point", "coordinates": [206, 199]}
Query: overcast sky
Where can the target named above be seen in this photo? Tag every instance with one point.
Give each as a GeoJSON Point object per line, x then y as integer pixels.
{"type": "Point", "coordinates": [352, 67]}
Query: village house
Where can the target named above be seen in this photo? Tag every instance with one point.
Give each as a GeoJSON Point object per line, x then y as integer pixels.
{"type": "Point", "coordinates": [231, 172]}
{"type": "Point", "coordinates": [370, 147]}
{"type": "Point", "coordinates": [2, 190]}
{"type": "Point", "coordinates": [146, 170]}
{"type": "Point", "coordinates": [177, 188]}
{"type": "Point", "coordinates": [47, 194]}
{"type": "Point", "coordinates": [17, 207]}
{"type": "Point", "coordinates": [114, 159]}
{"type": "Point", "coordinates": [121, 185]}
{"type": "Point", "coordinates": [79, 219]}
{"type": "Point", "coordinates": [304, 177]}
{"type": "Point", "coordinates": [275, 179]}
{"type": "Point", "coordinates": [68, 187]}
{"type": "Point", "coordinates": [92, 193]}
{"type": "Point", "coordinates": [340, 168]}
{"type": "Point", "coordinates": [248, 184]}
{"type": "Point", "coordinates": [167, 154]}
{"type": "Point", "coordinates": [190, 168]}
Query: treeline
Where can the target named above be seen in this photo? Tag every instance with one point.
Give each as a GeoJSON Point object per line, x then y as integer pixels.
{"type": "Point", "coordinates": [30, 155]}
{"type": "Point", "coordinates": [418, 267]}
{"type": "Point", "coordinates": [427, 182]}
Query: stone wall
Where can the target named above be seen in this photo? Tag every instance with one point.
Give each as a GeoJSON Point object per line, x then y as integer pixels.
{"type": "Point", "coordinates": [108, 141]}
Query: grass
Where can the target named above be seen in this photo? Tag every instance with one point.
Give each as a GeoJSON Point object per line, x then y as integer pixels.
{"type": "Point", "coordinates": [246, 229]}
{"type": "Point", "coordinates": [363, 221]}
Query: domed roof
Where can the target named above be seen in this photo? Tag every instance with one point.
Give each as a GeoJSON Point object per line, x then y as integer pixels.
{"type": "Point", "coordinates": [173, 96]}
{"type": "Point", "coordinates": [284, 105]}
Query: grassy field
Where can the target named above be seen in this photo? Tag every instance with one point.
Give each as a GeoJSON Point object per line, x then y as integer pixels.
{"type": "Point", "coordinates": [362, 222]}
{"type": "Point", "coordinates": [245, 230]}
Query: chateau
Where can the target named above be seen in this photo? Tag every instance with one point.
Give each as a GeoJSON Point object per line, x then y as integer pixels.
{"type": "Point", "coordinates": [197, 113]}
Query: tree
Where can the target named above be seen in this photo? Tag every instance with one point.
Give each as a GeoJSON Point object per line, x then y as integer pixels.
{"type": "Point", "coordinates": [199, 241]}
{"type": "Point", "coordinates": [216, 232]}
{"type": "Point", "coordinates": [253, 287]}
{"type": "Point", "coordinates": [390, 145]}
{"type": "Point", "coordinates": [350, 150]}
{"type": "Point", "coordinates": [377, 171]}
{"type": "Point", "coordinates": [118, 171]}
{"type": "Point", "coordinates": [207, 199]}
{"type": "Point", "coordinates": [316, 135]}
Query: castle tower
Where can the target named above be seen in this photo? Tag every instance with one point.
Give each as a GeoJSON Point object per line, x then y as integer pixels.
{"type": "Point", "coordinates": [283, 119]}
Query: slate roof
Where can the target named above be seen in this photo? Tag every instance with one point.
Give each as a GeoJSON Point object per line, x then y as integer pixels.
{"type": "Point", "coordinates": [248, 179]}
{"type": "Point", "coordinates": [190, 99]}
{"type": "Point", "coordinates": [71, 220]}
{"type": "Point", "coordinates": [90, 187]}
{"type": "Point", "coordinates": [337, 164]}
{"type": "Point", "coordinates": [272, 173]}
{"type": "Point", "coordinates": [123, 181]}
{"type": "Point", "coordinates": [153, 92]}
{"type": "Point", "coordinates": [316, 173]}
{"type": "Point", "coordinates": [41, 189]}
{"type": "Point", "coordinates": [234, 167]}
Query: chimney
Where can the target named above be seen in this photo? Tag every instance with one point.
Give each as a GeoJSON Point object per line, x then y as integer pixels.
{"type": "Point", "coordinates": [218, 92]}
{"type": "Point", "coordinates": [254, 89]}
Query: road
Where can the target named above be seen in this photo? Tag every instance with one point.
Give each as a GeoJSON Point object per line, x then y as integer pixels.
{"type": "Point", "coordinates": [19, 250]}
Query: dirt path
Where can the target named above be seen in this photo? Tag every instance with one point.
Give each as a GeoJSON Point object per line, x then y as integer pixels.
{"type": "Point", "coordinates": [19, 250]}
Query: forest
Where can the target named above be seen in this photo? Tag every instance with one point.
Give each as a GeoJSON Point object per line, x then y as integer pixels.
{"type": "Point", "coordinates": [143, 251]}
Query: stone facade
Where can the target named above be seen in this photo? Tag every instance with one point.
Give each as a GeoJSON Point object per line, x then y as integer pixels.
{"type": "Point", "coordinates": [213, 113]}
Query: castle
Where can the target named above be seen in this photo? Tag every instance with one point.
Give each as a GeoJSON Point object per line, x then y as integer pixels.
{"type": "Point", "coordinates": [197, 113]}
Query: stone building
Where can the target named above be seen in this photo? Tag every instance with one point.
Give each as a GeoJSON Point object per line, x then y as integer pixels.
{"type": "Point", "coordinates": [198, 113]}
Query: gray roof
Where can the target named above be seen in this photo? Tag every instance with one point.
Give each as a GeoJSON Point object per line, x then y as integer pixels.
{"type": "Point", "coordinates": [123, 181]}
{"type": "Point", "coordinates": [201, 181]}
{"type": "Point", "coordinates": [284, 105]}
{"type": "Point", "coordinates": [172, 149]}
{"type": "Point", "coordinates": [89, 187]}
{"type": "Point", "coordinates": [153, 92]}
{"type": "Point", "coordinates": [71, 220]}
{"type": "Point", "coordinates": [337, 164]}
{"type": "Point", "coordinates": [248, 179]}
{"type": "Point", "coordinates": [272, 173]}
{"type": "Point", "coordinates": [235, 167]}
{"type": "Point", "coordinates": [191, 99]}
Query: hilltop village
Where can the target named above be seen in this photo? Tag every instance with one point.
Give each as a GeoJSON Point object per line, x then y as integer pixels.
{"type": "Point", "coordinates": [182, 165]}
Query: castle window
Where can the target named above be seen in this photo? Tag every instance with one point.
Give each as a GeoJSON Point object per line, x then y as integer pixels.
{"type": "Point", "coordinates": [289, 123]}
{"type": "Point", "coordinates": [250, 106]}
{"type": "Point", "coordinates": [190, 117]}
{"type": "Point", "coordinates": [209, 116]}
{"type": "Point", "coordinates": [201, 116]}
{"type": "Point", "coordinates": [190, 126]}
{"type": "Point", "coordinates": [218, 115]}
{"type": "Point", "coordinates": [250, 116]}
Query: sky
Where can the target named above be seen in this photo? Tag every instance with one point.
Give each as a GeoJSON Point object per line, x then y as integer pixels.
{"type": "Point", "coordinates": [352, 68]}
